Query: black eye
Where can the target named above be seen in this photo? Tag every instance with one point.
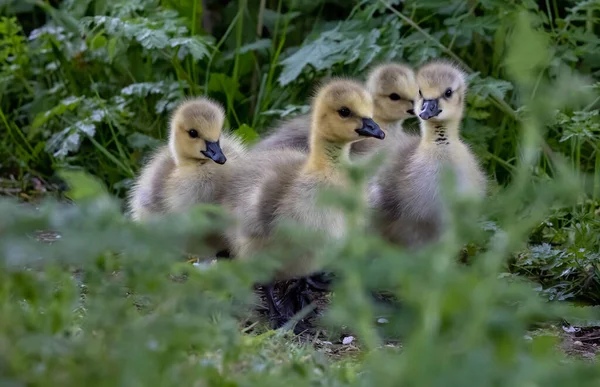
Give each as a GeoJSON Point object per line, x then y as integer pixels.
{"type": "Point", "coordinates": [344, 112]}
{"type": "Point", "coordinates": [394, 97]}
{"type": "Point", "coordinates": [448, 93]}
{"type": "Point", "coordinates": [420, 94]}
{"type": "Point", "coordinates": [193, 133]}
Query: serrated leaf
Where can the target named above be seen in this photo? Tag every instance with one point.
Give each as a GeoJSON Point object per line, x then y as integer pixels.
{"type": "Point", "coordinates": [152, 39]}
{"type": "Point", "coordinates": [194, 46]}
{"type": "Point", "coordinates": [490, 86]}
{"type": "Point", "coordinates": [143, 89]}
{"type": "Point", "coordinates": [372, 49]}
{"type": "Point", "coordinates": [141, 141]}
{"type": "Point", "coordinates": [63, 142]}
{"type": "Point", "coordinates": [85, 127]}
{"type": "Point", "coordinates": [320, 54]}
{"type": "Point", "coordinates": [69, 139]}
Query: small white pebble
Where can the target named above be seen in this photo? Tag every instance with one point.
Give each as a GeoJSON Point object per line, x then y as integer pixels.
{"type": "Point", "coordinates": [203, 265]}
{"type": "Point", "coordinates": [382, 321]}
{"type": "Point", "coordinates": [528, 338]}
{"type": "Point", "coordinates": [347, 340]}
{"type": "Point", "coordinates": [577, 343]}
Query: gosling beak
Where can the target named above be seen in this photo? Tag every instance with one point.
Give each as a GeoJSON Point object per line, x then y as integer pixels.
{"type": "Point", "coordinates": [411, 112]}
{"type": "Point", "coordinates": [213, 151]}
{"type": "Point", "coordinates": [429, 109]}
{"type": "Point", "coordinates": [370, 129]}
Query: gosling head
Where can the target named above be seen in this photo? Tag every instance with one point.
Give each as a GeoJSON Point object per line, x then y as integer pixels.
{"type": "Point", "coordinates": [343, 113]}
{"type": "Point", "coordinates": [394, 89]}
{"type": "Point", "coordinates": [195, 131]}
{"type": "Point", "coordinates": [442, 89]}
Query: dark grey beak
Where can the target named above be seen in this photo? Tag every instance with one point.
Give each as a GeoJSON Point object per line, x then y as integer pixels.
{"type": "Point", "coordinates": [370, 129]}
{"type": "Point", "coordinates": [430, 109]}
{"type": "Point", "coordinates": [213, 151]}
{"type": "Point", "coordinates": [411, 111]}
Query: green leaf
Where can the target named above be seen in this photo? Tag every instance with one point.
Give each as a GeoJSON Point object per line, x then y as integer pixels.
{"type": "Point", "coordinates": [112, 48]}
{"type": "Point", "coordinates": [69, 139]}
{"type": "Point", "coordinates": [193, 46]}
{"type": "Point", "coordinates": [320, 54]}
{"type": "Point", "coordinates": [67, 104]}
{"type": "Point", "coordinates": [528, 51]}
{"type": "Point", "coordinates": [98, 42]}
{"type": "Point", "coordinates": [485, 87]}
{"type": "Point", "coordinates": [247, 134]}
{"type": "Point", "coordinates": [152, 39]}
{"type": "Point", "coordinates": [143, 89]}
{"type": "Point", "coordinates": [477, 114]}
{"type": "Point", "coordinates": [222, 83]}
{"type": "Point", "coordinates": [371, 51]}
{"type": "Point", "coordinates": [259, 45]}
{"type": "Point", "coordinates": [141, 141]}
{"type": "Point", "coordinates": [82, 185]}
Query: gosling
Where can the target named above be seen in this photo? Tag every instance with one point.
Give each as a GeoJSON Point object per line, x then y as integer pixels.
{"type": "Point", "coordinates": [394, 90]}
{"type": "Point", "coordinates": [191, 168]}
{"type": "Point", "coordinates": [406, 191]}
{"type": "Point", "coordinates": [282, 185]}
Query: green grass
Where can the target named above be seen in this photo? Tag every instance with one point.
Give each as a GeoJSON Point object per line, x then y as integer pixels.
{"type": "Point", "coordinates": [92, 91]}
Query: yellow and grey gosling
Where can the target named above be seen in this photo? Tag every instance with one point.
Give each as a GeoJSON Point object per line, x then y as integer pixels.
{"type": "Point", "coordinates": [192, 167]}
{"type": "Point", "coordinates": [406, 192]}
{"type": "Point", "coordinates": [273, 186]}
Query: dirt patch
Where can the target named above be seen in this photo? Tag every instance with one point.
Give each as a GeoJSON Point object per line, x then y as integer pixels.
{"type": "Point", "coordinates": [581, 341]}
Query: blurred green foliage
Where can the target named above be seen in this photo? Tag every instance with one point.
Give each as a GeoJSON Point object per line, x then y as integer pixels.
{"type": "Point", "coordinates": [88, 85]}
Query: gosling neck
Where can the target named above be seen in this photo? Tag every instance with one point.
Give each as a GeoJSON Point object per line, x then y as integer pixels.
{"type": "Point", "coordinates": [325, 155]}
{"type": "Point", "coordinates": [182, 161]}
{"type": "Point", "coordinates": [440, 132]}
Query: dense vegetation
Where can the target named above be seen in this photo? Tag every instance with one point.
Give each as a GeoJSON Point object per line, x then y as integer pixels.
{"type": "Point", "coordinates": [87, 85]}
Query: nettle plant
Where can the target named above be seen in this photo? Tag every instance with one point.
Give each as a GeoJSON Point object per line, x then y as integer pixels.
{"type": "Point", "coordinates": [475, 36]}
{"type": "Point", "coordinates": [109, 80]}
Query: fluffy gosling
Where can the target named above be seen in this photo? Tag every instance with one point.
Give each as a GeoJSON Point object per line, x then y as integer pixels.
{"type": "Point", "coordinates": [406, 191]}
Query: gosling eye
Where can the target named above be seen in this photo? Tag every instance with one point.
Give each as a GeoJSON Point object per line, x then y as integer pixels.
{"type": "Point", "coordinates": [420, 94]}
{"type": "Point", "coordinates": [448, 93]}
{"type": "Point", "coordinates": [193, 133]}
{"type": "Point", "coordinates": [395, 97]}
{"type": "Point", "coordinates": [344, 112]}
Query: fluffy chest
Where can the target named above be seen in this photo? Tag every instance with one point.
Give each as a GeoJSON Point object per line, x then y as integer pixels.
{"type": "Point", "coordinates": [189, 186]}
{"type": "Point", "coordinates": [306, 207]}
{"type": "Point", "coordinates": [421, 187]}
{"type": "Point", "coordinates": [434, 162]}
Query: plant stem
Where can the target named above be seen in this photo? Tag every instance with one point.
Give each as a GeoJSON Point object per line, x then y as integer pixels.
{"type": "Point", "coordinates": [216, 50]}
{"type": "Point", "coordinates": [255, 74]}
{"type": "Point", "coordinates": [597, 176]}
